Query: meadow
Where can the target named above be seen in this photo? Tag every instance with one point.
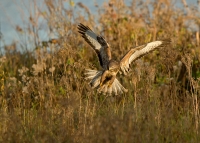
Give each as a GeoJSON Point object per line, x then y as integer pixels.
{"type": "Point", "coordinates": [45, 98]}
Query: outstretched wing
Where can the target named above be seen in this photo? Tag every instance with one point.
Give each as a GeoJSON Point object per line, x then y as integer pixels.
{"type": "Point", "coordinates": [140, 51]}
{"type": "Point", "coordinates": [98, 43]}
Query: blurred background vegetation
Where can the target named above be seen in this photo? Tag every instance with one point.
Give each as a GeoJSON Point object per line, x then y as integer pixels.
{"type": "Point", "coordinates": [44, 97]}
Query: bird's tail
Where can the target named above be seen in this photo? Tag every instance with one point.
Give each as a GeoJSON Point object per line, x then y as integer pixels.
{"type": "Point", "coordinates": [95, 76]}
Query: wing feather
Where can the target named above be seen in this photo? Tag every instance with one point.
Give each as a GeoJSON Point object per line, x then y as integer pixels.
{"type": "Point", "coordinates": [140, 51]}
{"type": "Point", "coordinates": [98, 43]}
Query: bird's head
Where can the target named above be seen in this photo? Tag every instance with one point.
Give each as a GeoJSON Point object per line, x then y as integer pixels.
{"type": "Point", "coordinates": [113, 66]}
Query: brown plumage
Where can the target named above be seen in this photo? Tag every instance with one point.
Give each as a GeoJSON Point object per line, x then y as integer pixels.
{"type": "Point", "coordinates": [105, 80]}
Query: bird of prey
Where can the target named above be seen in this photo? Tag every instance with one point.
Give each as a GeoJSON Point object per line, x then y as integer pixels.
{"type": "Point", "coordinates": [105, 80]}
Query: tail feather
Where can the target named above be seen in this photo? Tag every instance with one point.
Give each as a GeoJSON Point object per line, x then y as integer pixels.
{"type": "Point", "coordinates": [114, 88]}
{"type": "Point", "coordinates": [105, 89]}
{"type": "Point", "coordinates": [95, 82]}
{"type": "Point", "coordinates": [117, 85]}
{"type": "Point", "coordinates": [95, 76]}
{"type": "Point", "coordinates": [110, 90]}
{"type": "Point", "coordinates": [92, 73]}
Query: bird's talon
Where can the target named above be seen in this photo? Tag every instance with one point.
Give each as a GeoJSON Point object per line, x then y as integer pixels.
{"type": "Point", "coordinates": [109, 85]}
{"type": "Point", "coordinates": [101, 84]}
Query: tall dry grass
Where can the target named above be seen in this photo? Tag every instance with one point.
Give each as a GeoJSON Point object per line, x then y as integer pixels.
{"type": "Point", "coordinates": [44, 97]}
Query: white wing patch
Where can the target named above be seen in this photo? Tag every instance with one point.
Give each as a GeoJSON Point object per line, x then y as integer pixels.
{"type": "Point", "coordinates": [98, 43]}
{"type": "Point", "coordinates": [140, 51]}
{"type": "Point", "coordinates": [149, 47]}
{"type": "Point", "coordinates": [92, 37]}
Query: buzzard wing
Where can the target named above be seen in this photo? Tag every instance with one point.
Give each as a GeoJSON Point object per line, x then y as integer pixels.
{"type": "Point", "coordinates": [98, 43]}
{"type": "Point", "coordinates": [140, 51]}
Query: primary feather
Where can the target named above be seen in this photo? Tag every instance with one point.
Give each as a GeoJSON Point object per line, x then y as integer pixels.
{"type": "Point", "coordinates": [98, 43]}
{"type": "Point", "coordinates": [140, 51]}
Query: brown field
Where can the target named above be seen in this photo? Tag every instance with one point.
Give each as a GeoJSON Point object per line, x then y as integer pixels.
{"type": "Point", "coordinates": [45, 98]}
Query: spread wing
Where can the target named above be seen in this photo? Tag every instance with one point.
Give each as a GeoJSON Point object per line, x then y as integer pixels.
{"type": "Point", "coordinates": [140, 51]}
{"type": "Point", "coordinates": [98, 43]}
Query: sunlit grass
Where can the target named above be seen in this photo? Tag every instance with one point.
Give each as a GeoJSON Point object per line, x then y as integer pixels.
{"type": "Point", "coordinates": [45, 98]}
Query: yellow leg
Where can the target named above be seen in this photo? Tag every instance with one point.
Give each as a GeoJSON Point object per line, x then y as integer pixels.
{"type": "Point", "coordinates": [103, 77]}
{"type": "Point", "coordinates": [109, 84]}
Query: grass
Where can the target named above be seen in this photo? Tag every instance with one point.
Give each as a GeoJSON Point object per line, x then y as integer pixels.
{"type": "Point", "coordinates": [44, 97]}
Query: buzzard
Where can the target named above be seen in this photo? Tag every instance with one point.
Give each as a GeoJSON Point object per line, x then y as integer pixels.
{"type": "Point", "coordinates": [105, 80]}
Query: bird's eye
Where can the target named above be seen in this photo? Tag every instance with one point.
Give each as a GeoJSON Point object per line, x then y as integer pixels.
{"type": "Point", "coordinates": [112, 70]}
